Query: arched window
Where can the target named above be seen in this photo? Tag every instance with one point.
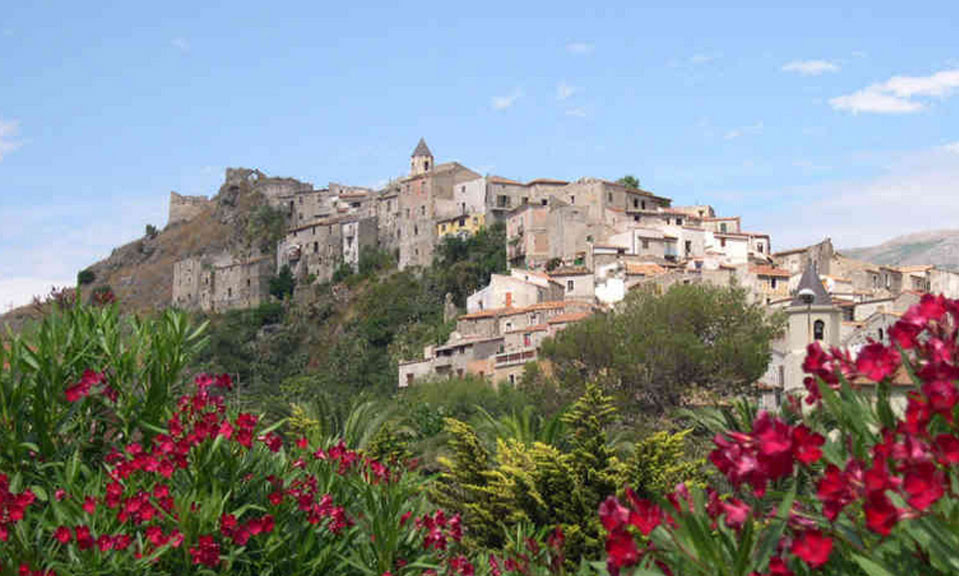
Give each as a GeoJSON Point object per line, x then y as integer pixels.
{"type": "Point", "coordinates": [880, 334]}
{"type": "Point", "coordinates": [818, 329]}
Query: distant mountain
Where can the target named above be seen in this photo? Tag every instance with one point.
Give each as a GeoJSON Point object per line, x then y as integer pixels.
{"type": "Point", "coordinates": [939, 247]}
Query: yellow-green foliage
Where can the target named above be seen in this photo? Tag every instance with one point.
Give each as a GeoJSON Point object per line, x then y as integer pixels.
{"type": "Point", "coordinates": [658, 463]}
{"type": "Point", "coordinates": [546, 485]}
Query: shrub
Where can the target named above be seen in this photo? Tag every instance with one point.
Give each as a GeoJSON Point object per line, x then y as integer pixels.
{"type": "Point", "coordinates": [281, 285]}
{"type": "Point", "coordinates": [856, 483]}
{"type": "Point", "coordinates": [86, 276]}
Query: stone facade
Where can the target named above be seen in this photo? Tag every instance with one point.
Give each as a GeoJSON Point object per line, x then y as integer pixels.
{"type": "Point", "coordinates": [186, 208]}
{"type": "Point", "coordinates": [221, 283]}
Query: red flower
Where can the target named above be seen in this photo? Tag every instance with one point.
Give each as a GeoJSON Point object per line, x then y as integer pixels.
{"type": "Point", "coordinates": [206, 552]}
{"type": "Point", "coordinates": [948, 449]}
{"type": "Point", "coordinates": [736, 512]}
{"type": "Point", "coordinates": [877, 361]}
{"type": "Point", "coordinates": [806, 445]}
{"type": "Point", "coordinates": [89, 505]}
{"type": "Point", "coordinates": [272, 441]}
{"type": "Point", "coordinates": [942, 396]}
{"type": "Point", "coordinates": [881, 515]}
{"type": "Point", "coordinates": [620, 550]}
{"type": "Point", "coordinates": [812, 548]}
{"type": "Point", "coordinates": [84, 539]}
{"type": "Point", "coordinates": [923, 483]}
{"type": "Point", "coordinates": [62, 534]}
{"type": "Point", "coordinates": [612, 514]}
{"type": "Point", "coordinates": [777, 567]}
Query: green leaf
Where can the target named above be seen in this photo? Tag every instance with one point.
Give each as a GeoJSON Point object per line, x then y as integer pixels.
{"type": "Point", "coordinates": [872, 568]}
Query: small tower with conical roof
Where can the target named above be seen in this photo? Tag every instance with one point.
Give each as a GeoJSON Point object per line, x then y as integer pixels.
{"type": "Point", "coordinates": [811, 317]}
{"type": "Point", "coordinates": [421, 161]}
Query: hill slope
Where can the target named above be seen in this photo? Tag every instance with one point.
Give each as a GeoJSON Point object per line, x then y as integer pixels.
{"type": "Point", "coordinates": [938, 247]}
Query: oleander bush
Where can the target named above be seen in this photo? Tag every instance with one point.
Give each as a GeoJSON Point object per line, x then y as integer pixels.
{"type": "Point", "coordinates": [855, 479]}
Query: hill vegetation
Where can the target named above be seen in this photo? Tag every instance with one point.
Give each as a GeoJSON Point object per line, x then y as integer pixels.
{"type": "Point", "coordinates": [939, 248]}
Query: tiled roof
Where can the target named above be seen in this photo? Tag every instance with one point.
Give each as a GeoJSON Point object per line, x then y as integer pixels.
{"type": "Point", "coordinates": [535, 328]}
{"type": "Point", "coordinates": [569, 317]}
{"type": "Point", "coordinates": [644, 269]}
{"type": "Point", "coordinates": [770, 271]}
{"type": "Point", "coordinates": [810, 281]}
{"type": "Point", "coordinates": [422, 149]}
{"type": "Point", "coordinates": [509, 310]}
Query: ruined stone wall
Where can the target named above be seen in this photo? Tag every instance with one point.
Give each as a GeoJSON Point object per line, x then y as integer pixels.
{"type": "Point", "coordinates": [185, 208]}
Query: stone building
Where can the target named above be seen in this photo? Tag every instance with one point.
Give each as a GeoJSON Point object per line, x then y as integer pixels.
{"type": "Point", "coordinates": [186, 208]}
{"type": "Point", "coordinates": [420, 199]}
{"type": "Point", "coordinates": [224, 282]}
{"type": "Point", "coordinates": [315, 251]}
{"type": "Point", "coordinates": [815, 319]}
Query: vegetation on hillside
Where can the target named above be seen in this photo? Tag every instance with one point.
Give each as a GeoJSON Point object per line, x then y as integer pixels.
{"type": "Point", "coordinates": [659, 351]}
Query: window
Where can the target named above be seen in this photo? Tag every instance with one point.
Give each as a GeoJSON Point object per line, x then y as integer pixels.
{"type": "Point", "coordinates": [679, 221]}
{"type": "Point", "coordinates": [760, 247]}
{"type": "Point", "coordinates": [880, 334]}
{"type": "Point", "coordinates": [316, 247]}
{"type": "Point", "coordinates": [422, 210]}
{"type": "Point", "coordinates": [426, 165]}
{"type": "Point", "coordinates": [635, 203]}
{"type": "Point", "coordinates": [512, 379]}
{"type": "Point", "coordinates": [463, 207]}
{"type": "Point", "coordinates": [772, 283]}
{"type": "Point", "coordinates": [722, 227]}
{"type": "Point", "coordinates": [247, 282]}
{"type": "Point", "coordinates": [416, 230]}
{"type": "Point", "coordinates": [689, 247]}
{"type": "Point", "coordinates": [526, 340]}
{"type": "Point", "coordinates": [462, 221]}
{"type": "Point", "coordinates": [722, 242]}
{"type": "Point", "coordinates": [409, 378]}
{"type": "Point", "coordinates": [229, 292]}
{"type": "Point", "coordinates": [645, 244]}
{"type": "Point", "coordinates": [609, 196]}
{"type": "Point", "coordinates": [543, 201]}
{"type": "Point", "coordinates": [644, 204]}
{"type": "Point", "coordinates": [442, 227]}
{"type": "Point", "coordinates": [569, 285]}
{"type": "Point", "coordinates": [572, 199]}
{"type": "Point", "coordinates": [819, 329]}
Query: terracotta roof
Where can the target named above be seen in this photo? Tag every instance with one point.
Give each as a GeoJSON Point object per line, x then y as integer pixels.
{"type": "Point", "coordinates": [501, 180]}
{"type": "Point", "coordinates": [570, 271]}
{"type": "Point", "coordinates": [917, 268]}
{"type": "Point", "coordinates": [770, 271]}
{"type": "Point", "coordinates": [644, 269]}
{"type": "Point", "coordinates": [468, 340]}
{"type": "Point", "coordinates": [720, 218]}
{"type": "Point", "coordinates": [547, 181]}
{"type": "Point", "coordinates": [534, 328]}
{"type": "Point", "coordinates": [509, 311]}
{"type": "Point", "coordinates": [569, 317]}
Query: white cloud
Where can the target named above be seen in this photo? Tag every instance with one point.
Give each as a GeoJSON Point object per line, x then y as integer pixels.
{"type": "Point", "coordinates": [504, 102]}
{"type": "Point", "coordinates": [952, 147]}
{"type": "Point", "coordinates": [579, 48]}
{"type": "Point", "coordinates": [899, 94]}
{"type": "Point", "coordinates": [9, 130]}
{"type": "Point", "coordinates": [181, 44]}
{"type": "Point", "coordinates": [16, 292]}
{"type": "Point", "coordinates": [577, 112]}
{"type": "Point", "coordinates": [810, 67]}
{"type": "Point", "coordinates": [862, 212]}
{"type": "Point", "coordinates": [751, 130]}
{"type": "Point", "coordinates": [564, 91]}
{"type": "Point", "coordinates": [704, 58]}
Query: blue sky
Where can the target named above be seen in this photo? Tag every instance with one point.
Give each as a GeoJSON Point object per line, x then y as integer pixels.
{"type": "Point", "coordinates": [809, 120]}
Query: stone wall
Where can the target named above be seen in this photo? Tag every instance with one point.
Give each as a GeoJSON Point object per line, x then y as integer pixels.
{"type": "Point", "coordinates": [185, 208]}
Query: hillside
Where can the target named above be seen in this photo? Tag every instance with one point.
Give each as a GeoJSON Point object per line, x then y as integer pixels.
{"type": "Point", "coordinates": [938, 247]}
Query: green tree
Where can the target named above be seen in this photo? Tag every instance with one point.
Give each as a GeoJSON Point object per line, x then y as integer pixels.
{"type": "Point", "coordinates": [151, 231]}
{"type": "Point", "coordinates": [266, 228]}
{"type": "Point", "coordinates": [282, 284]}
{"type": "Point", "coordinates": [463, 265]}
{"type": "Point", "coordinates": [86, 276]}
{"type": "Point", "coordinates": [629, 181]}
{"type": "Point", "coordinates": [657, 350]}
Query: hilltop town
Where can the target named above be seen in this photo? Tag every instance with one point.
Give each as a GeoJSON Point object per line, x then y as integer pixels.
{"type": "Point", "coordinates": [573, 249]}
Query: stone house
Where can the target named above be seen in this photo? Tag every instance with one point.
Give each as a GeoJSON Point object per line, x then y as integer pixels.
{"type": "Point", "coordinates": [419, 197]}
{"type": "Point", "coordinates": [463, 225]}
{"type": "Point", "coordinates": [217, 284]}
{"type": "Point", "coordinates": [767, 283]}
{"type": "Point", "coordinates": [578, 282]}
{"type": "Point", "coordinates": [513, 291]}
{"type": "Point", "coordinates": [186, 208]}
